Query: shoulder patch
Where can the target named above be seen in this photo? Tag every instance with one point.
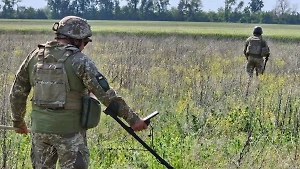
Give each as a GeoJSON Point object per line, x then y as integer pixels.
{"type": "Point", "coordinates": [103, 82]}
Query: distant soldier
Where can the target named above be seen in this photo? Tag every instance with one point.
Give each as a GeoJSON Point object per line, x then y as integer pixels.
{"type": "Point", "coordinates": [61, 76]}
{"type": "Point", "coordinates": [256, 48]}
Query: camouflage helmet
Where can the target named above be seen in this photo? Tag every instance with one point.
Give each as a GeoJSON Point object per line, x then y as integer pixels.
{"type": "Point", "coordinates": [257, 30]}
{"type": "Point", "coordinates": [73, 27]}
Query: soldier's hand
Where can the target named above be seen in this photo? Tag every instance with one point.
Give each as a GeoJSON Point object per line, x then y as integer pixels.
{"type": "Point", "coordinates": [23, 130]}
{"type": "Point", "coordinates": [139, 125]}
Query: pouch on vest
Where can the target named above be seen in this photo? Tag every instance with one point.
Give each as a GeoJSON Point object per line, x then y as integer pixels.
{"type": "Point", "coordinates": [91, 111]}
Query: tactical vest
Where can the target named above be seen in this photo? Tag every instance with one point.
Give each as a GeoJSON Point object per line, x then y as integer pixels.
{"type": "Point", "coordinates": [63, 114]}
{"type": "Point", "coordinates": [50, 81]}
{"type": "Point", "coordinates": [254, 46]}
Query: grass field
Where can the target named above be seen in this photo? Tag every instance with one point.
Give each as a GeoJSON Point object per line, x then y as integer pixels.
{"type": "Point", "coordinates": [229, 30]}
{"type": "Point", "coordinates": [208, 118]}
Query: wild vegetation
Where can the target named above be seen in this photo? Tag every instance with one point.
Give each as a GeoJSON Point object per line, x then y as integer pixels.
{"type": "Point", "coordinates": [161, 28]}
{"type": "Point", "coordinates": [250, 11]}
{"type": "Point", "coordinates": [208, 118]}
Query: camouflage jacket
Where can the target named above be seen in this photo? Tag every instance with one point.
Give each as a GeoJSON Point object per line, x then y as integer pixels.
{"type": "Point", "coordinates": [84, 68]}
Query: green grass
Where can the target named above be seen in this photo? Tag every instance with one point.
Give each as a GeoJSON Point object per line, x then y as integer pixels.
{"type": "Point", "coordinates": [197, 84]}
{"type": "Point", "coordinates": [163, 28]}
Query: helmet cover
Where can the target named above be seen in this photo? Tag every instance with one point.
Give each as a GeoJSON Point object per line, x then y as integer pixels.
{"type": "Point", "coordinates": [73, 27]}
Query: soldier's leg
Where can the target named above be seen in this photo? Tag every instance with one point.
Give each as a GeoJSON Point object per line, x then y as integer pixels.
{"type": "Point", "coordinates": [73, 151]}
{"type": "Point", "coordinates": [43, 154]}
{"type": "Point", "coordinates": [259, 65]}
{"type": "Point", "coordinates": [250, 67]}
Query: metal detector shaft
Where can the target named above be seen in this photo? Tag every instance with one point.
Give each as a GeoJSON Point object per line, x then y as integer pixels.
{"type": "Point", "coordinates": [110, 110]}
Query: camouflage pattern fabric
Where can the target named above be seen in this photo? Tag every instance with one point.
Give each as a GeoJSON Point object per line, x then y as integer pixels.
{"type": "Point", "coordinates": [70, 149]}
{"type": "Point", "coordinates": [263, 44]}
{"type": "Point", "coordinates": [254, 63]}
{"type": "Point", "coordinates": [85, 69]}
{"type": "Point", "coordinates": [20, 91]}
{"type": "Point", "coordinates": [73, 27]}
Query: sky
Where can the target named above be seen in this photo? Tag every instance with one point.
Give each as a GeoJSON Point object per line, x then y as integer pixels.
{"type": "Point", "coordinates": [208, 5]}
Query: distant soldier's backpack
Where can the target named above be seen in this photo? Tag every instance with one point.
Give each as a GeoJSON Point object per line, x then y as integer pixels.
{"type": "Point", "coordinates": [255, 47]}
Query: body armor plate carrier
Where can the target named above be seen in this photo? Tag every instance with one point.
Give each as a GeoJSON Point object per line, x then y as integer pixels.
{"type": "Point", "coordinates": [51, 86]}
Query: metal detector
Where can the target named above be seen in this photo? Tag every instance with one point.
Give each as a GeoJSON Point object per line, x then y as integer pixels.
{"type": "Point", "coordinates": [112, 110]}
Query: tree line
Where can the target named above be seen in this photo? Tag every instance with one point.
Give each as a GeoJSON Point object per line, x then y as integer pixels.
{"type": "Point", "coordinates": [155, 10]}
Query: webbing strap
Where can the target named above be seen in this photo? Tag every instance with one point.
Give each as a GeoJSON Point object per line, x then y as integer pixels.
{"type": "Point", "coordinates": [41, 54]}
{"type": "Point", "coordinates": [65, 56]}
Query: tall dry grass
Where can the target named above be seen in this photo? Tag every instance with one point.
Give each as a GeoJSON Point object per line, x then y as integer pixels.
{"type": "Point", "coordinates": [207, 118]}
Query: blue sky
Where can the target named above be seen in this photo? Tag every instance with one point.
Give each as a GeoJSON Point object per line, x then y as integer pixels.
{"type": "Point", "coordinates": [207, 4]}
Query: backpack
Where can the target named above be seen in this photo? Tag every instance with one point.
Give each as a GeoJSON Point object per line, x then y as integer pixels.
{"type": "Point", "coordinates": [50, 78]}
{"type": "Point", "coordinates": [255, 47]}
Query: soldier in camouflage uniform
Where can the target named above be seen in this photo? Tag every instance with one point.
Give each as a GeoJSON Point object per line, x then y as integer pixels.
{"type": "Point", "coordinates": [256, 48]}
{"type": "Point", "coordinates": [56, 131]}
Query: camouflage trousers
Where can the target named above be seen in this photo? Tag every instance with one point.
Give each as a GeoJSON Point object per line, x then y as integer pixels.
{"type": "Point", "coordinates": [254, 63]}
{"type": "Point", "coordinates": [70, 150]}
